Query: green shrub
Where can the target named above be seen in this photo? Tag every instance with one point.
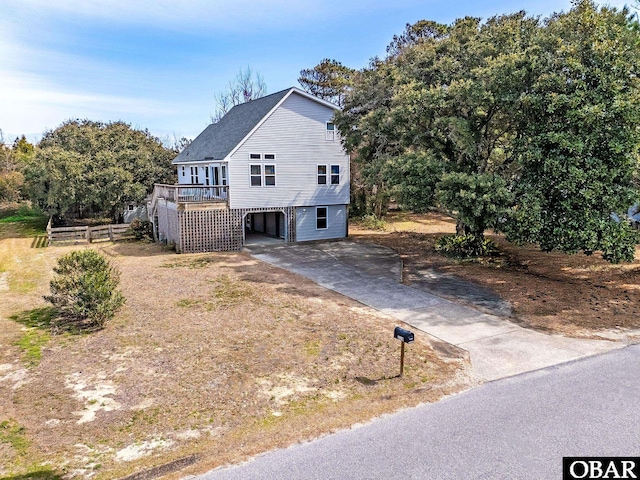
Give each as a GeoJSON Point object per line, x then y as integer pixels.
{"type": "Point", "coordinates": [141, 229]}
{"type": "Point", "coordinates": [466, 246]}
{"type": "Point", "coordinates": [84, 291]}
{"type": "Point", "coordinates": [372, 222]}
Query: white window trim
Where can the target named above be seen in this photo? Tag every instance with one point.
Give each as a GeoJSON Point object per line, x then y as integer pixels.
{"type": "Point", "coordinates": [326, 218]}
{"type": "Point", "coordinates": [251, 175]}
{"type": "Point", "coordinates": [262, 163]}
{"type": "Point", "coordinates": [264, 174]}
{"type": "Point", "coordinates": [330, 135]}
{"type": "Point", "coordinates": [331, 174]}
{"type": "Point", "coordinates": [223, 174]}
{"type": "Point", "coordinates": [194, 175]}
{"type": "Point", "coordinates": [326, 174]}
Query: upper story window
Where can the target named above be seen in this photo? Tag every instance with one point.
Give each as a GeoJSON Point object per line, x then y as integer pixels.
{"type": "Point", "coordinates": [322, 174]}
{"type": "Point", "coordinates": [330, 133]}
{"type": "Point", "coordinates": [255, 172]}
{"type": "Point", "coordinates": [262, 174]}
{"type": "Point", "coordinates": [335, 174]}
{"type": "Point", "coordinates": [223, 174]}
{"type": "Point", "coordinates": [194, 176]}
{"type": "Point", "coordinates": [270, 175]}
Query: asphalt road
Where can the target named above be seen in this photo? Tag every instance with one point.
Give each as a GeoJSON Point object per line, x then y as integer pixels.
{"type": "Point", "coordinates": [516, 428]}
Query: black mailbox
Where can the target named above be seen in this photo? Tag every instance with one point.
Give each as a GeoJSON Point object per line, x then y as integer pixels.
{"type": "Point", "coordinates": [404, 335]}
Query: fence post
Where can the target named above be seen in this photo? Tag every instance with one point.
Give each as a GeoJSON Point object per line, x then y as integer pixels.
{"type": "Point", "coordinates": [111, 232]}
{"type": "Point", "coordinates": [49, 230]}
{"type": "Point", "coordinates": [88, 234]}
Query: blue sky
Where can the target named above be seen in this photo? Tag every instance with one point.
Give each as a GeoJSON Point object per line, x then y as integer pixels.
{"type": "Point", "coordinates": [158, 64]}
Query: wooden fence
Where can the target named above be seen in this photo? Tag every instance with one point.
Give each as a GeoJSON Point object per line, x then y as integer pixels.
{"type": "Point", "coordinates": [111, 233]}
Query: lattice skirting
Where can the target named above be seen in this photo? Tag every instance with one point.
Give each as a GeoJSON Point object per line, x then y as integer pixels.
{"type": "Point", "coordinates": [222, 229]}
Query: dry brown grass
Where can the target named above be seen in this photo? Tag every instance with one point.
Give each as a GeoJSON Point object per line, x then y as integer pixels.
{"type": "Point", "coordinates": [575, 295]}
{"type": "Point", "coordinates": [214, 354]}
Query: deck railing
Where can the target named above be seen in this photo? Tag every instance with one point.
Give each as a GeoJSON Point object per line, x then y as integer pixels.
{"type": "Point", "coordinates": [199, 193]}
{"type": "Point", "coordinates": [190, 193]}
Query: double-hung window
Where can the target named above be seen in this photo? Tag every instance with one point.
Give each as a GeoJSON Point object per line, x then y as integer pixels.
{"type": "Point", "coordinates": [330, 133]}
{"type": "Point", "coordinates": [269, 170]}
{"type": "Point", "coordinates": [269, 175]}
{"type": "Point", "coordinates": [322, 174]}
{"type": "Point", "coordinates": [262, 174]}
{"type": "Point", "coordinates": [321, 218]}
{"type": "Point", "coordinates": [335, 174]}
{"type": "Point", "coordinates": [255, 172]}
{"type": "Point", "coordinates": [194, 176]}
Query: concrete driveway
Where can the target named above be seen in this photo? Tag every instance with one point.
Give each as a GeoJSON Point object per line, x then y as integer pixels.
{"type": "Point", "coordinates": [371, 274]}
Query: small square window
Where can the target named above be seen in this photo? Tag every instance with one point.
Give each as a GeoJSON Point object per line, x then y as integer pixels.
{"type": "Point", "coordinates": [322, 174]}
{"type": "Point", "coordinates": [321, 218]}
{"type": "Point", "coordinates": [254, 156]}
{"type": "Point", "coordinates": [269, 156]}
{"type": "Point", "coordinates": [335, 174]}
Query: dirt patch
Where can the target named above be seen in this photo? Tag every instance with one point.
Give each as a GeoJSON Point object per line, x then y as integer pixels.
{"type": "Point", "coordinates": [575, 295]}
{"type": "Point", "coordinates": [217, 355]}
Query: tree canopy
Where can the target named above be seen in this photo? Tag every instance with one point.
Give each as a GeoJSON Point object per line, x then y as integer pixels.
{"type": "Point", "coordinates": [329, 80]}
{"type": "Point", "coordinates": [85, 168]}
{"type": "Point", "coordinates": [516, 124]}
{"type": "Point", "coordinates": [12, 160]}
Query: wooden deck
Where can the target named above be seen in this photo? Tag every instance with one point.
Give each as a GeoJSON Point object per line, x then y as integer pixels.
{"type": "Point", "coordinates": [191, 193]}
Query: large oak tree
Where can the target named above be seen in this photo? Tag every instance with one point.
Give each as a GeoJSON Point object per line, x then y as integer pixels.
{"type": "Point", "coordinates": [515, 124]}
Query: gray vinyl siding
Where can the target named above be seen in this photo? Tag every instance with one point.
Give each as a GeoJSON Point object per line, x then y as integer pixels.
{"type": "Point", "coordinates": [296, 134]}
{"type": "Point", "coordinates": [306, 223]}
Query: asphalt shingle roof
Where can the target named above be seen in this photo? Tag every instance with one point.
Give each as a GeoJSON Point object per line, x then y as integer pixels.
{"type": "Point", "coordinates": [218, 139]}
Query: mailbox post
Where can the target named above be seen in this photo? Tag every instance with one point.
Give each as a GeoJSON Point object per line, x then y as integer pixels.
{"type": "Point", "coordinates": [405, 336]}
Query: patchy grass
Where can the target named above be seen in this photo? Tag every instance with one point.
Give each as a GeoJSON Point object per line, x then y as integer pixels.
{"type": "Point", "coordinates": [31, 343]}
{"type": "Point", "coordinates": [575, 295]}
{"type": "Point", "coordinates": [13, 434]}
{"type": "Point", "coordinates": [22, 221]}
{"type": "Point", "coordinates": [220, 356]}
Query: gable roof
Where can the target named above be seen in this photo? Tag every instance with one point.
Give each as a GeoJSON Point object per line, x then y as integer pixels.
{"type": "Point", "coordinates": [220, 139]}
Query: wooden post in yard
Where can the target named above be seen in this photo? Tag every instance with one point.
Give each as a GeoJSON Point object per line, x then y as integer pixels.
{"type": "Point", "coordinates": [401, 358]}
{"type": "Point", "coordinates": [110, 233]}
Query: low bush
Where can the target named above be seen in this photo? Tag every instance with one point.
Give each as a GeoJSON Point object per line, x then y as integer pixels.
{"type": "Point", "coordinates": [84, 291]}
{"type": "Point", "coordinates": [141, 229]}
{"type": "Point", "coordinates": [372, 222]}
{"type": "Point", "coordinates": [466, 246]}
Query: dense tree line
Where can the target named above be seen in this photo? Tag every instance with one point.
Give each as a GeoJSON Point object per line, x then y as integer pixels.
{"type": "Point", "coordinates": [12, 161]}
{"type": "Point", "coordinates": [86, 168]}
{"type": "Point", "coordinates": [518, 124]}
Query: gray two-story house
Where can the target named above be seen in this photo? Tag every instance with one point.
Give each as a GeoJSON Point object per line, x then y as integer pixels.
{"type": "Point", "coordinates": [273, 166]}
